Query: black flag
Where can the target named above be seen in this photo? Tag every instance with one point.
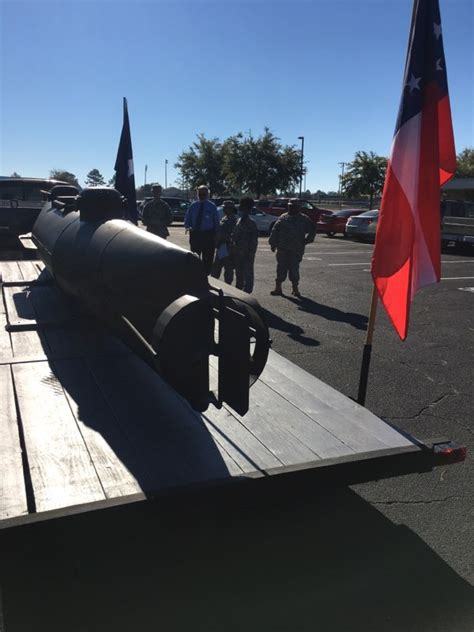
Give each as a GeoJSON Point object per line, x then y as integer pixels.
{"type": "Point", "coordinates": [124, 176]}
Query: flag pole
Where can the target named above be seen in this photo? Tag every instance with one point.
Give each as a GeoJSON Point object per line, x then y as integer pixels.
{"type": "Point", "coordinates": [364, 369]}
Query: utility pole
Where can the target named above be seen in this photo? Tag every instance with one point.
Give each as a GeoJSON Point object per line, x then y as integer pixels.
{"type": "Point", "coordinates": [301, 138]}
{"type": "Point", "coordinates": [166, 173]}
{"type": "Point", "coordinates": [342, 165]}
{"type": "Point", "coordinates": [144, 181]}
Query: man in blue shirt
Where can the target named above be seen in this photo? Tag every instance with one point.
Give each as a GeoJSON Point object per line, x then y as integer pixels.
{"type": "Point", "coordinates": [202, 220]}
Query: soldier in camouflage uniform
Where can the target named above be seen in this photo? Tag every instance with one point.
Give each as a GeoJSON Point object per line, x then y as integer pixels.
{"type": "Point", "coordinates": [157, 214]}
{"type": "Point", "coordinates": [289, 236]}
{"type": "Point", "coordinates": [224, 237]}
{"type": "Point", "coordinates": [245, 247]}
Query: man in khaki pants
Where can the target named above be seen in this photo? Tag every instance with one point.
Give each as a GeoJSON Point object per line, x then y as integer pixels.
{"type": "Point", "coordinates": [288, 238]}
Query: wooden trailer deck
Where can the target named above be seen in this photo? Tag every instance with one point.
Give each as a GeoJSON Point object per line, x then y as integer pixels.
{"type": "Point", "coordinates": [83, 420]}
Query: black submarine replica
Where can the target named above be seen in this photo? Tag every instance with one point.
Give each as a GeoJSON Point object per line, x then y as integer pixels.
{"type": "Point", "coordinates": [154, 295]}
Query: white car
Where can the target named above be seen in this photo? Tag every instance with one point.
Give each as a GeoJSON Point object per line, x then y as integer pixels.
{"type": "Point", "coordinates": [263, 220]}
{"type": "Point", "coordinates": [364, 226]}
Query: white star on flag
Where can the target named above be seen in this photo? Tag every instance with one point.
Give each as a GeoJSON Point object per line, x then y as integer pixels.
{"type": "Point", "coordinates": [438, 64]}
{"type": "Point", "coordinates": [437, 30]}
{"type": "Point", "coordinates": [414, 83]}
{"type": "Point", "coordinates": [130, 167]}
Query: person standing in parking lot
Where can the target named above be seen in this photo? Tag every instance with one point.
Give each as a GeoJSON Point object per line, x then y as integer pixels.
{"type": "Point", "coordinates": [288, 238]}
{"type": "Point", "coordinates": [202, 221]}
{"type": "Point", "coordinates": [157, 214]}
{"type": "Point", "coordinates": [225, 233]}
{"type": "Point", "coordinates": [245, 247]}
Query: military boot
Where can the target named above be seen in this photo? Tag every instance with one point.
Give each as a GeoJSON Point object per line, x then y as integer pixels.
{"type": "Point", "coordinates": [296, 291]}
{"type": "Point", "coordinates": [277, 291]}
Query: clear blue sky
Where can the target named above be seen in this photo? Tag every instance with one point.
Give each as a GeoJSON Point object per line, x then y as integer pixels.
{"type": "Point", "coordinates": [330, 70]}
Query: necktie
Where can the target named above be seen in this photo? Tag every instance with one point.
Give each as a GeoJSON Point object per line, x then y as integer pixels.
{"type": "Point", "coordinates": [199, 217]}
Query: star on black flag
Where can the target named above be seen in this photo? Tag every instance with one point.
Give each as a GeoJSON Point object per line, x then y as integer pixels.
{"type": "Point", "coordinates": [125, 178]}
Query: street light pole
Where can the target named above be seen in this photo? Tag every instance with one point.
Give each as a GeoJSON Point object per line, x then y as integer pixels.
{"type": "Point", "coordinates": [301, 138]}
{"type": "Point", "coordinates": [146, 169]}
{"type": "Point", "coordinates": [342, 165]}
{"type": "Point", "coordinates": [166, 173]}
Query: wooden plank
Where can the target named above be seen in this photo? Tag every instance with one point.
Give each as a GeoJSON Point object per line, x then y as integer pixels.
{"type": "Point", "coordinates": [286, 431]}
{"type": "Point", "coordinates": [116, 462]}
{"type": "Point", "coordinates": [294, 428]}
{"type": "Point", "coordinates": [12, 485]}
{"type": "Point", "coordinates": [83, 337]}
{"type": "Point", "coordinates": [175, 445]}
{"type": "Point", "coordinates": [10, 271]}
{"type": "Point", "coordinates": [28, 243]}
{"type": "Point", "coordinates": [62, 473]}
{"type": "Point", "coordinates": [19, 308]}
{"type": "Point", "coordinates": [29, 344]}
{"type": "Point", "coordinates": [338, 401]}
{"type": "Point", "coordinates": [6, 351]}
{"type": "Point", "coordinates": [244, 448]}
{"type": "Point", "coordinates": [28, 270]}
{"type": "Point", "coordinates": [351, 431]}
{"type": "Point", "coordinates": [49, 305]}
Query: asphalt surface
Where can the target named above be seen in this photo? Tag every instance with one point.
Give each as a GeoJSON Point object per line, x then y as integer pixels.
{"type": "Point", "coordinates": [385, 556]}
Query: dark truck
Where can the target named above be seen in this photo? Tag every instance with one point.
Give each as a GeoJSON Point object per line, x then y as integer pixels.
{"type": "Point", "coordinates": [21, 200]}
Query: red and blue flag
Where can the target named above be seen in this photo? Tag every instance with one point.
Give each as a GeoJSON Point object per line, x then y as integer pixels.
{"type": "Point", "coordinates": [407, 253]}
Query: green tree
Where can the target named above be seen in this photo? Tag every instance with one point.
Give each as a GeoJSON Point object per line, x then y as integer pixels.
{"type": "Point", "coordinates": [260, 165]}
{"type": "Point", "coordinates": [253, 165]}
{"type": "Point", "coordinates": [365, 175]}
{"type": "Point", "coordinates": [465, 163]}
{"type": "Point", "coordinates": [15, 175]}
{"type": "Point", "coordinates": [64, 176]}
{"type": "Point", "coordinates": [203, 163]}
{"type": "Point", "coordinates": [94, 179]}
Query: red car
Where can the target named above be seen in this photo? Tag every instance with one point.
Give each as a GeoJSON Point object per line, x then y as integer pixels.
{"type": "Point", "coordinates": [335, 222]}
{"type": "Point", "coordinates": [280, 206]}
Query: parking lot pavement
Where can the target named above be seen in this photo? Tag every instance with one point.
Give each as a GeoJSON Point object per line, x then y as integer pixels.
{"type": "Point", "coordinates": [423, 385]}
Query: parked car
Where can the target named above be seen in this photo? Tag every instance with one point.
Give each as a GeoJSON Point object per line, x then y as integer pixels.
{"type": "Point", "coordinates": [264, 221]}
{"type": "Point", "coordinates": [263, 204]}
{"type": "Point", "coordinates": [219, 201]}
{"type": "Point", "coordinates": [335, 222]}
{"type": "Point", "coordinates": [363, 226]}
{"type": "Point", "coordinates": [178, 207]}
{"type": "Point", "coordinates": [21, 200]}
{"type": "Point", "coordinates": [280, 206]}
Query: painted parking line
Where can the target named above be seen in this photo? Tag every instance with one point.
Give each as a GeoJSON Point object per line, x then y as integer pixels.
{"type": "Point", "coordinates": [344, 252]}
{"type": "Point", "coordinates": [349, 264]}
{"type": "Point", "coordinates": [466, 289]}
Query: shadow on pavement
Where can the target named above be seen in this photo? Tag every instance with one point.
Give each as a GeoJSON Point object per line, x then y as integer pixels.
{"type": "Point", "coordinates": [295, 332]}
{"type": "Point", "coordinates": [277, 559]}
{"type": "Point", "coordinates": [330, 313]}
